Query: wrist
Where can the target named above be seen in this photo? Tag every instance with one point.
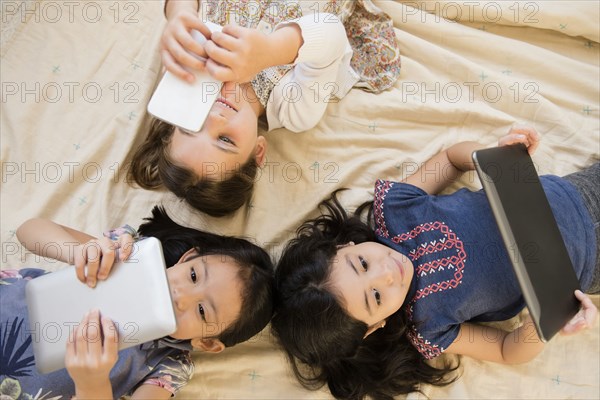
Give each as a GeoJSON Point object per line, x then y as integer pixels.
{"type": "Point", "coordinates": [174, 6]}
{"type": "Point", "coordinates": [99, 390]}
{"type": "Point", "coordinates": [460, 155]}
{"type": "Point", "coordinates": [285, 43]}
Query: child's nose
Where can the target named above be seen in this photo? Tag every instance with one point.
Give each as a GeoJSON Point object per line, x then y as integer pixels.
{"type": "Point", "coordinates": [215, 119]}
{"type": "Point", "coordinates": [386, 276]}
{"type": "Point", "coordinates": [177, 301]}
{"type": "Point", "coordinates": [214, 124]}
{"type": "Point", "coordinates": [182, 299]}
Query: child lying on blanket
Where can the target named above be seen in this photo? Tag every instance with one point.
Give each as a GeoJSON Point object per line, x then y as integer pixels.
{"type": "Point", "coordinates": [365, 305]}
{"type": "Point", "coordinates": [237, 295]}
{"type": "Point", "coordinates": [214, 169]}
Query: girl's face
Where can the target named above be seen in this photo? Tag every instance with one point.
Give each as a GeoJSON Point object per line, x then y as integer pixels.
{"type": "Point", "coordinates": [372, 280]}
{"type": "Point", "coordinates": [228, 138]}
{"type": "Point", "coordinates": [206, 293]}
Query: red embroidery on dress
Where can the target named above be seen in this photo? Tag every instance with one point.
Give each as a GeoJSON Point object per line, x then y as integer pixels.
{"type": "Point", "coordinates": [437, 265]}
{"type": "Point", "coordinates": [381, 189]}
{"type": "Point", "coordinates": [456, 261]}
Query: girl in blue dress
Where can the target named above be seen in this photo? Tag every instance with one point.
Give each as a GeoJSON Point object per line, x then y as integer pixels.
{"type": "Point", "coordinates": [364, 305]}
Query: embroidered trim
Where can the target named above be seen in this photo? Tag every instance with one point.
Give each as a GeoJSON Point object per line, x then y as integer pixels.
{"type": "Point", "coordinates": [381, 189]}
{"type": "Point", "coordinates": [449, 241]}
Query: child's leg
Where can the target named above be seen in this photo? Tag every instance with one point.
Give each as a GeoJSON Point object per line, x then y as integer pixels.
{"type": "Point", "coordinates": [587, 183]}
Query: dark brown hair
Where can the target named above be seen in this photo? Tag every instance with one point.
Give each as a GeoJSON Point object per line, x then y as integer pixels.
{"type": "Point", "coordinates": [324, 344]}
{"type": "Point", "coordinates": [152, 168]}
{"type": "Point", "coordinates": [255, 269]}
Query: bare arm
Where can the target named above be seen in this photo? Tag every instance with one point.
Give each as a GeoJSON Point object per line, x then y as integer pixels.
{"type": "Point", "coordinates": [491, 344]}
{"type": "Point", "coordinates": [519, 346]}
{"type": "Point", "coordinates": [172, 6]}
{"type": "Point", "coordinates": [52, 240]}
{"type": "Point", "coordinates": [446, 167]}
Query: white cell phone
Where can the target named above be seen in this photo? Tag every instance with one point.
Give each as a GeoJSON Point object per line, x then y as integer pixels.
{"type": "Point", "coordinates": [185, 104]}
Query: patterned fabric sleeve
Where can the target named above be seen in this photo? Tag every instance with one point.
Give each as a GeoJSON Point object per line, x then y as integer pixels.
{"type": "Point", "coordinates": [114, 234]}
{"type": "Point", "coordinates": [8, 276]}
{"type": "Point", "coordinates": [173, 373]}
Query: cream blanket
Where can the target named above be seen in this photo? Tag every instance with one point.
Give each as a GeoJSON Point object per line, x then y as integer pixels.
{"type": "Point", "coordinates": [76, 77]}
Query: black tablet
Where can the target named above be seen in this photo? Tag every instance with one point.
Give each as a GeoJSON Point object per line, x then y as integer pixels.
{"type": "Point", "coordinates": [530, 234]}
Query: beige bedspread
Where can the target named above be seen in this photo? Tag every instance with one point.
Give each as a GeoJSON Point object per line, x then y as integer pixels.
{"type": "Point", "coordinates": [76, 77]}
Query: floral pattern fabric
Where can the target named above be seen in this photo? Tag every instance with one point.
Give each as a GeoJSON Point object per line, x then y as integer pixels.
{"type": "Point", "coordinates": [371, 34]}
{"type": "Point", "coordinates": [370, 31]}
{"type": "Point", "coordinates": [263, 15]}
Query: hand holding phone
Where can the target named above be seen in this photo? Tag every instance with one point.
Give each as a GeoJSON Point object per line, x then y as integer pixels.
{"type": "Point", "coordinates": [185, 104]}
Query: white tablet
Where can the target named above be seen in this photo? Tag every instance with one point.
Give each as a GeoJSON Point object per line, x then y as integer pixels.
{"type": "Point", "coordinates": [135, 296]}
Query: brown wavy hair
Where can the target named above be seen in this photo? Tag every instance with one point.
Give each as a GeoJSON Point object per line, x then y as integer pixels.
{"type": "Point", "coordinates": [152, 168]}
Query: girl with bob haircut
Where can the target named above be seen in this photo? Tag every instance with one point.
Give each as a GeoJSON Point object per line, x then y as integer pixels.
{"type": "Point", "coordinates": [275, 63]}
{"type": "Point", "coordinates": [221, 289]}
{"type": "Point", "coordinates": [364, 306]}
{"type": "Point", "coordinates": [214, 169]}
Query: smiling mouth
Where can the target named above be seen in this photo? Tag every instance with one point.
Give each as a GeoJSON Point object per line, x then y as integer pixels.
{"type": "Point", "coordinates": [400, 266]}
{"type": "Point", "coordinates": [226, 104]}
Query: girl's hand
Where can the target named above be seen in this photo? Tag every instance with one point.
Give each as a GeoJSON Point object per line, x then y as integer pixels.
{"type": "Point", "coordinates": [584, 318]}
{"type": "Point", "coordinates": [99, 257]}
{"type": "Point", "coordinates": [177, 43]}
{"type": "Point", "coordinates": [521, 134]}
{"type": "Point", "coordinates": [237, 54]}
{"type": "Point", "coordinates": [92, 351]}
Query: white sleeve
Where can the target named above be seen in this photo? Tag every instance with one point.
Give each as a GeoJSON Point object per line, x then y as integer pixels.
{"type": "Point", "coordinates": [321, 71]}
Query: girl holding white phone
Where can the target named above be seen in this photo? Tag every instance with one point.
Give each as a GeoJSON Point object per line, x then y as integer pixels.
{"type": "Point", "coordinates": [286, 67]}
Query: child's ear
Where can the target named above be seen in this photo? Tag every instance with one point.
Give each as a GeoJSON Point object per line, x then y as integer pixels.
{"type": "Point", "coordinates": [373, 328]}
{"type": "Point", "coordinates": [261, 150]}
{"type": "Point", "coordinates": [185, 255]}
{"type": "Point", "coordinates": [208, 345]}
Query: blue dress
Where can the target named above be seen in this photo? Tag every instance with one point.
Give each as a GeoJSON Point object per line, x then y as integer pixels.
{"type": "Point", "coordinates": [462, 269]}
